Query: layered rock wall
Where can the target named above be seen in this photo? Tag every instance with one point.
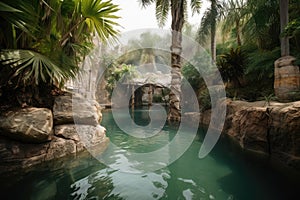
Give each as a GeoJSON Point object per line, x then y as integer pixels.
{"type": "Point", "coordinates": [273, 129]}
{"type": "Point", "coordinates": [270, 128]}
{"type": "Point", "coordinates": [34, 135]}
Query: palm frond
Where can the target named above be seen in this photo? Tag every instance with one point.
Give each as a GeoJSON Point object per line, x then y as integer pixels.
{"type": "Point", "coordinates": [196, 6]}
{"type": "Point", "coordinates": [263, 16]}
{"type": "Point", "coordinates": [21, 15]}
{"type": "Point", "coordinates": [146, 3]}
{"type": "Point", "coordinates": [210, 18]}
{"type": "Point", "coordinates": [7, 8]}
{"type": "Point", "coordinates": [99, 16]}
{"type": "Point", "coordinates": [162, 11]}
{"type": "Point", "coordinates": [261, 63]}
{"type": "Point", "coordinates": [93, 16]}
{"type": "Point", "coordinates": [204, 30]}
{"type": "Point", "coordinates": [234, 17]}
{"type": "Point", "coordinates": [33, 67]}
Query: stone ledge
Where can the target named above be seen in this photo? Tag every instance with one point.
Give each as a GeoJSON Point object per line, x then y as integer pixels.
{"type": "Point", "coordinates": [272, 129]}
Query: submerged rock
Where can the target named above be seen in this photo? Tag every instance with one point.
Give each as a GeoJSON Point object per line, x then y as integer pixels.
{"type": "Point", "coordinates": [32, 125]}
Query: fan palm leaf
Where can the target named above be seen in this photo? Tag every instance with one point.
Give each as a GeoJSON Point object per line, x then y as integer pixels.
{"type": "Point", "coordinates": [33, 67]}
{"type": "Point", "coordinates": [16, 16]}
{"type": "Point", "coordinates": [97, 16]}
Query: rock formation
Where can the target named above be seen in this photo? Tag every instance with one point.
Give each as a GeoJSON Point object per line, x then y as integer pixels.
{"type": "Point", "coordinates": [269, 129]}
{"type": "Point", "coordinates": [33, 135]}
{"type": "Point", "coordinates": [286, 79]}
{"type": "Point", "coordinates": [33, 125]}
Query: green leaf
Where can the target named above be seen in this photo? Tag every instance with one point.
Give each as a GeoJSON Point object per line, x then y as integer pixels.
{"type": "Point", "coordinates": [6, 8]}
{"type": "Point", "coordinates": [32, 66]}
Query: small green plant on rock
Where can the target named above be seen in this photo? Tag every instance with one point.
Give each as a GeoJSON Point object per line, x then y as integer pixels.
{"type": "Point", "coordinates": [269, 98]}
{"type": "Point", "coordinates": [122, 73]}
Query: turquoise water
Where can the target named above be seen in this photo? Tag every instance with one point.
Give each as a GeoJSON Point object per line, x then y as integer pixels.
{"type": "Point", "coordinates": [227, 173]}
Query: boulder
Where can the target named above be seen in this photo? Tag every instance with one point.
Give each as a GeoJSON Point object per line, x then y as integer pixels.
{"type": "Point", "coordinates": [191, 118]}
{"type": "Point", "coordinates": [60, 147]}
{"type": "Point", "coordinates": [91, 136]}
{"type": "Point", "coordinates": [36, 140]}
{"type": "Point", "coordinates": [16, 155]}
{"type": "Point", "coordinates": [76, 138]}
{"type": "Point", "coordinates": [70, 109]}
{"type": "Point", "coordinates": [87, 135]}
{"type": "Point", "coordinates": [31, 125]}
{"type": "Point", "coordinates": [67, 131]}
{"type": "Point", "coordinates": [286, 79]}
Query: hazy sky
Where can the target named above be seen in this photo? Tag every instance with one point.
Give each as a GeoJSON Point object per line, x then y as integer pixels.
{"type": "Point", "coordinates": [136, 17]}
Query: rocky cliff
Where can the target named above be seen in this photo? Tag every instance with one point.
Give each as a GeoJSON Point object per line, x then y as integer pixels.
{"type": "Point", "coordinates": [31, 136]}
{"type": "Point", "coordinates": [270, 128]}
{"type": "Point", "coordinates": [273, 129]}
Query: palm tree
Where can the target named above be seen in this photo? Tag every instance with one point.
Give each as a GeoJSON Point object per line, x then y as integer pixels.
{"type": "Point", "coordinates": [178, 11]}
{"type": "Point", "coordinates": [232, 66]}
{"type": "Point", "coordinates": [142, 54]}
{"type": "Point", "coordinates": [208, 26]}
{"type": "Point", "coordinates": [45, 40]}
{"type": "Point", "coordinates": [261, 26]}
{"type": "Point", "coordinates": [234, 16]}
{"type": "Point", "coordinates": [284, 19]}
{"type": "Point", "coordinates": [287, 75]}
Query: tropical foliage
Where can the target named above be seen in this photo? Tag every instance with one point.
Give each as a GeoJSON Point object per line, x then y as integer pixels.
{"type": "Point", "coordinates": [232, 66]}
{"type": "Point", "coordinates": [252, 27]}
{"type": "Point", "coordinates": [208, 26]}
{"type": "Point", "coordinates": [235, 19]}
{"type": "Point", "coordinates": [43, 42]}
{"type": "Point", "coordinates": [122, 73]}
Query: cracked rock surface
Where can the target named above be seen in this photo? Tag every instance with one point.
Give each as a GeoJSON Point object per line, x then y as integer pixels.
{"type": "Point", "coordinates": [32, 136]}
{"type": "Point", "coordinates": [270, 128]}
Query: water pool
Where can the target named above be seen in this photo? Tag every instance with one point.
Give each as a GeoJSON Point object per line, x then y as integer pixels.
{"type": "Point", "coordinates": [227, 173]}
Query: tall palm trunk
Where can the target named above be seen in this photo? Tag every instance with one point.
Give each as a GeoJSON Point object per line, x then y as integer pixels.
{"type": "Point", "coordinates": [238, 33]}
{"type": "Point", "coordinates": [286, 74]}
{"type": "Point", "coordinates": [284, 19]}
{"type": "Point", "coordinates": [213, 45]}
{"type": "Point", "coordinates": [177, 11]}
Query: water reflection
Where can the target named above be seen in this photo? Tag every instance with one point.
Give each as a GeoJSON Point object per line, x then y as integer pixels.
{"type": "Point", "coordinates": [227, 173]}
{"type": "Point", "coordinates": [147, 152]}
{"type": "Point", "coordinates": [124, 185]}
{"type": "Point", "coordinates": [163, 184]}
{"type": "Point", "coordinates": [180, 180]}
